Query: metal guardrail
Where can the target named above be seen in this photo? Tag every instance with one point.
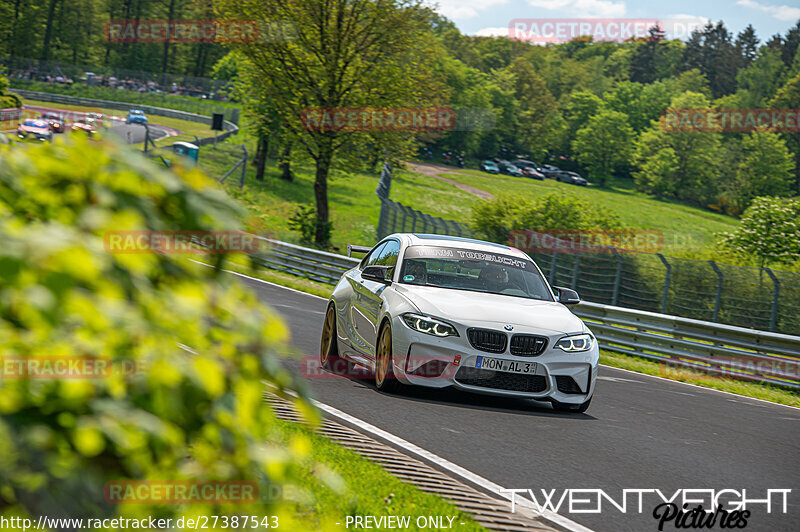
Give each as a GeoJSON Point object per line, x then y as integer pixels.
{"type": "Point", "coordinates": [313, 264]}
{"type": "Point", "coordinates": [230, 127]}
{"type": "Point", "coordinates": [695, 345]}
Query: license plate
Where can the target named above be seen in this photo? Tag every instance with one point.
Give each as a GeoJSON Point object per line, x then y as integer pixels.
{"type": "Point", "coordinates": [509, 366]}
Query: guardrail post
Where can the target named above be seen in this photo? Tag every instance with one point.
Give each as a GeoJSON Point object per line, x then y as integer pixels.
{"type": "Point", "coordinates": [244, 166]}
{"type": "Point", "coordinates": [666, 282]}
{"type": "Point", "coordinates": [575, 271]}
{"type": "Point", "coordinates": [719, 290]}
{"type": "Point", "coordinates": [773, 317]}
{"type": "Point", "coordinates": [553, 267]}
{"type": "Point", "coordinates": [382, 218]}
{"type": "Point", "coordinates": [617, 276]}
{"type": "Point", "coordinates": [394, 220]}
{"type": "Point", "coordinates": [403, 222]}
{"type": "Point", "coordinates": [413, 221]}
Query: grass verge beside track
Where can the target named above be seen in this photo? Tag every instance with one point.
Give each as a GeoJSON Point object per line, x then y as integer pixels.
{"type": "Point", "coordinates": [367, 490]}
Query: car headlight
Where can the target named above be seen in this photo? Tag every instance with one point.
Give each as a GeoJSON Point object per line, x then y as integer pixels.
{"type": "Point", "coordinates": [574, 344]}
{"type": "Point", "coordinates": [428, 325]}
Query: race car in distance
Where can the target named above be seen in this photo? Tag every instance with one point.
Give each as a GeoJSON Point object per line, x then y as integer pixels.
{"type": "Point", "coordinates": [136, 116]}
{"type": "Point", "coordinates": [54, 122]}
{"type": "Point", "coordinates": [440, 311]}
{"type": "Point", "coordinates": [86, 125]}
{"type": "Point", "coordinates": [35, 128]}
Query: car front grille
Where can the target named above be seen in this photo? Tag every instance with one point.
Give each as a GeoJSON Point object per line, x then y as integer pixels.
{"type": "Point", "coordinates": [486, 378]}
{"type": "Point", "coordinates": [525, 345]}
{"type": "Point", "coordinates": [567, 384]}
{"type": "Point", "coordinates": [487, 340]}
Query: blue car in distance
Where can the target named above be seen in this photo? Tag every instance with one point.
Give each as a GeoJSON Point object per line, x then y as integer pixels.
{"type": "Point", "coordinates": [136, 116]}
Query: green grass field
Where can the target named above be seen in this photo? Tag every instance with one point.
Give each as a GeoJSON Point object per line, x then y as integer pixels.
{"type": "Point", "coordinates": [355, 207]}
{"type": "Point", "coordinates": [353, 203]}
{"type": "Point", "coordinates": [683, 227]}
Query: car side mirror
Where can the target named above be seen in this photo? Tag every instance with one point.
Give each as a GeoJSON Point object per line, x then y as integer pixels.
{"type": "Point", "coordinates": [377, 273]}
{"type": "Point", "coordinates": [567, 296]}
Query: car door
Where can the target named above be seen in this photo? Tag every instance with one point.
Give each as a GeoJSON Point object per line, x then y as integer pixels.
{"type": "Point", "coordinates": [353, 308]}
{"type": "Point", "coordinates": [369, 295]}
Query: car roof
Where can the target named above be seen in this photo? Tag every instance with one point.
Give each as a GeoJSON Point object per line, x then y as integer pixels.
{"type": "Point", "coordinates": [456, 241]}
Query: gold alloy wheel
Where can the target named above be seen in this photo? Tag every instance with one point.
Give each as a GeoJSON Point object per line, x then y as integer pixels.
{"type": "Point", "coordinates": [384, 356]}
{"type": "Point", "coordinates": [327, 336]}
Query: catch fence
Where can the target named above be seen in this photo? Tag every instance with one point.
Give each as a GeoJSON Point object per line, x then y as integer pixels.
{"type": "Point", "coordinates": [759, 298]}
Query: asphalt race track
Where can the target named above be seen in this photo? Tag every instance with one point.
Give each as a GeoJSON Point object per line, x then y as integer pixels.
{"type": "Point", "coordinates": [134, 133]}
{"type": "Point", "coordinates": [640, 433]}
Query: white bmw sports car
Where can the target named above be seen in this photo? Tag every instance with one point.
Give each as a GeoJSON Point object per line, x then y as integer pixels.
{"type": "Point", "coordinates": [439, 311]}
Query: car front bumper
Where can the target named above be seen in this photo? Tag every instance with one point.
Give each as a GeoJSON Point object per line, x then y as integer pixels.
{"type": "Point", "coordinates": [424, 360]}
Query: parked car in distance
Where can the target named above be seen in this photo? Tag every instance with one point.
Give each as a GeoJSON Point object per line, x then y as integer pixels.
{"type": "Point", "coordinates": [530, 171]}
{"type": "Point", "coordinates": [136, 116]}
{"type": "Point", "coordinates": [529, 168]}
{"type": "Point", "coordinates": [54, 122]}
{"type": "Point", "coordinates": [509, 169]}
{"type": "Point", "coordinates": [35, 128]}
{"type": "Point", "coordinates": [572, 178]}
{"type": "Point", "coordinates": [550, 171]}
{"type": "Point", "coordinates": [490, 167]}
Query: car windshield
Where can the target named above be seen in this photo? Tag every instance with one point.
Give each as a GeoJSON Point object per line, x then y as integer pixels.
{"type": "Point", "coordinates": [473, 270]}
{"type": "Point", "coordinates": [35, 123]}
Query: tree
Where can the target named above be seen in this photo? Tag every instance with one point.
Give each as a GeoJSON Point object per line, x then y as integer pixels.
{"type": "Point", "coordinates": [8, 99]}
{"type": "Point", "coordinates": [604, 145]}
{"type": "Point", "coordinates": [647, 55]}
{"type": "Point", "coordinates": [336, 54]}
{"type": "Point", "coordinates": [712, 51]}
{"type": "Point", "coordinates": [788, 97]}
{"type": "Point", "coordinates": [761, 80]}
{"type": "Point", "coordinates": [765, 169]}
{"type": "Point", "coordinates": [678, 164]}
{"type": "Point", "coordinates": [747, 44]}
{"type": "Point", "coordinates": [579, 107]}
{"type": "Point", "coordinates": [537, 120]}
{"type": "Point", "coordinates": [769, 231]}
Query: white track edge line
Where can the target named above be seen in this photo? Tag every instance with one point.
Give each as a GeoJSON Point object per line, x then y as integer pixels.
{"type": "Point", "coordinates": [701, 387]}
{"type": "Point", "coordinates": [604, 365]}
{"type": "Point", "coordinates": [456, 469]}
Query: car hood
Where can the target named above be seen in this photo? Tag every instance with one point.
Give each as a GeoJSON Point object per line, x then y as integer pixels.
{"type": "Point", "coordinates": [482, 309]}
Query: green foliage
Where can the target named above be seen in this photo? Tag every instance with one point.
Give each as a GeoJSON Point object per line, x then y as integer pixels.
{"type": "Point", "coordinates": [200, 344]}
{"type": "Point", "coordinates": [72, 31]}
{"type": "Point", "coordinates": [680, 165]}
{"type": "Point", "coordinates": [604, 145]}
{"type": "Point", "coordinates": [339, 56]}
{"type": "Point", "coordinates": [305, 220]}
{"type": "Point", "coordinates": [8, 99]}
{"type": "Point", "coordinates": [537, 120]}
{"type": "Point", "coordinates": [765, 169]}
{"type": "Point", "coordinates": [770, 231]}
{"type": "Point", "coordinates": [494, 219]}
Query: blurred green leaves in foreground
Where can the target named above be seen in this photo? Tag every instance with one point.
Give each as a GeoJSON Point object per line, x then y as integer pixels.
{"type": "Point", "coordinates": [201, 345]}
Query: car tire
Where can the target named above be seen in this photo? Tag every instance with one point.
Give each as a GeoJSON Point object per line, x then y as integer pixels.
{"type": "Point", "coordinates": [385, 379]}
{"type": "Point", "coordinates": [571, 408]}
{"type": "Point", "coordinates": [329, 347]}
